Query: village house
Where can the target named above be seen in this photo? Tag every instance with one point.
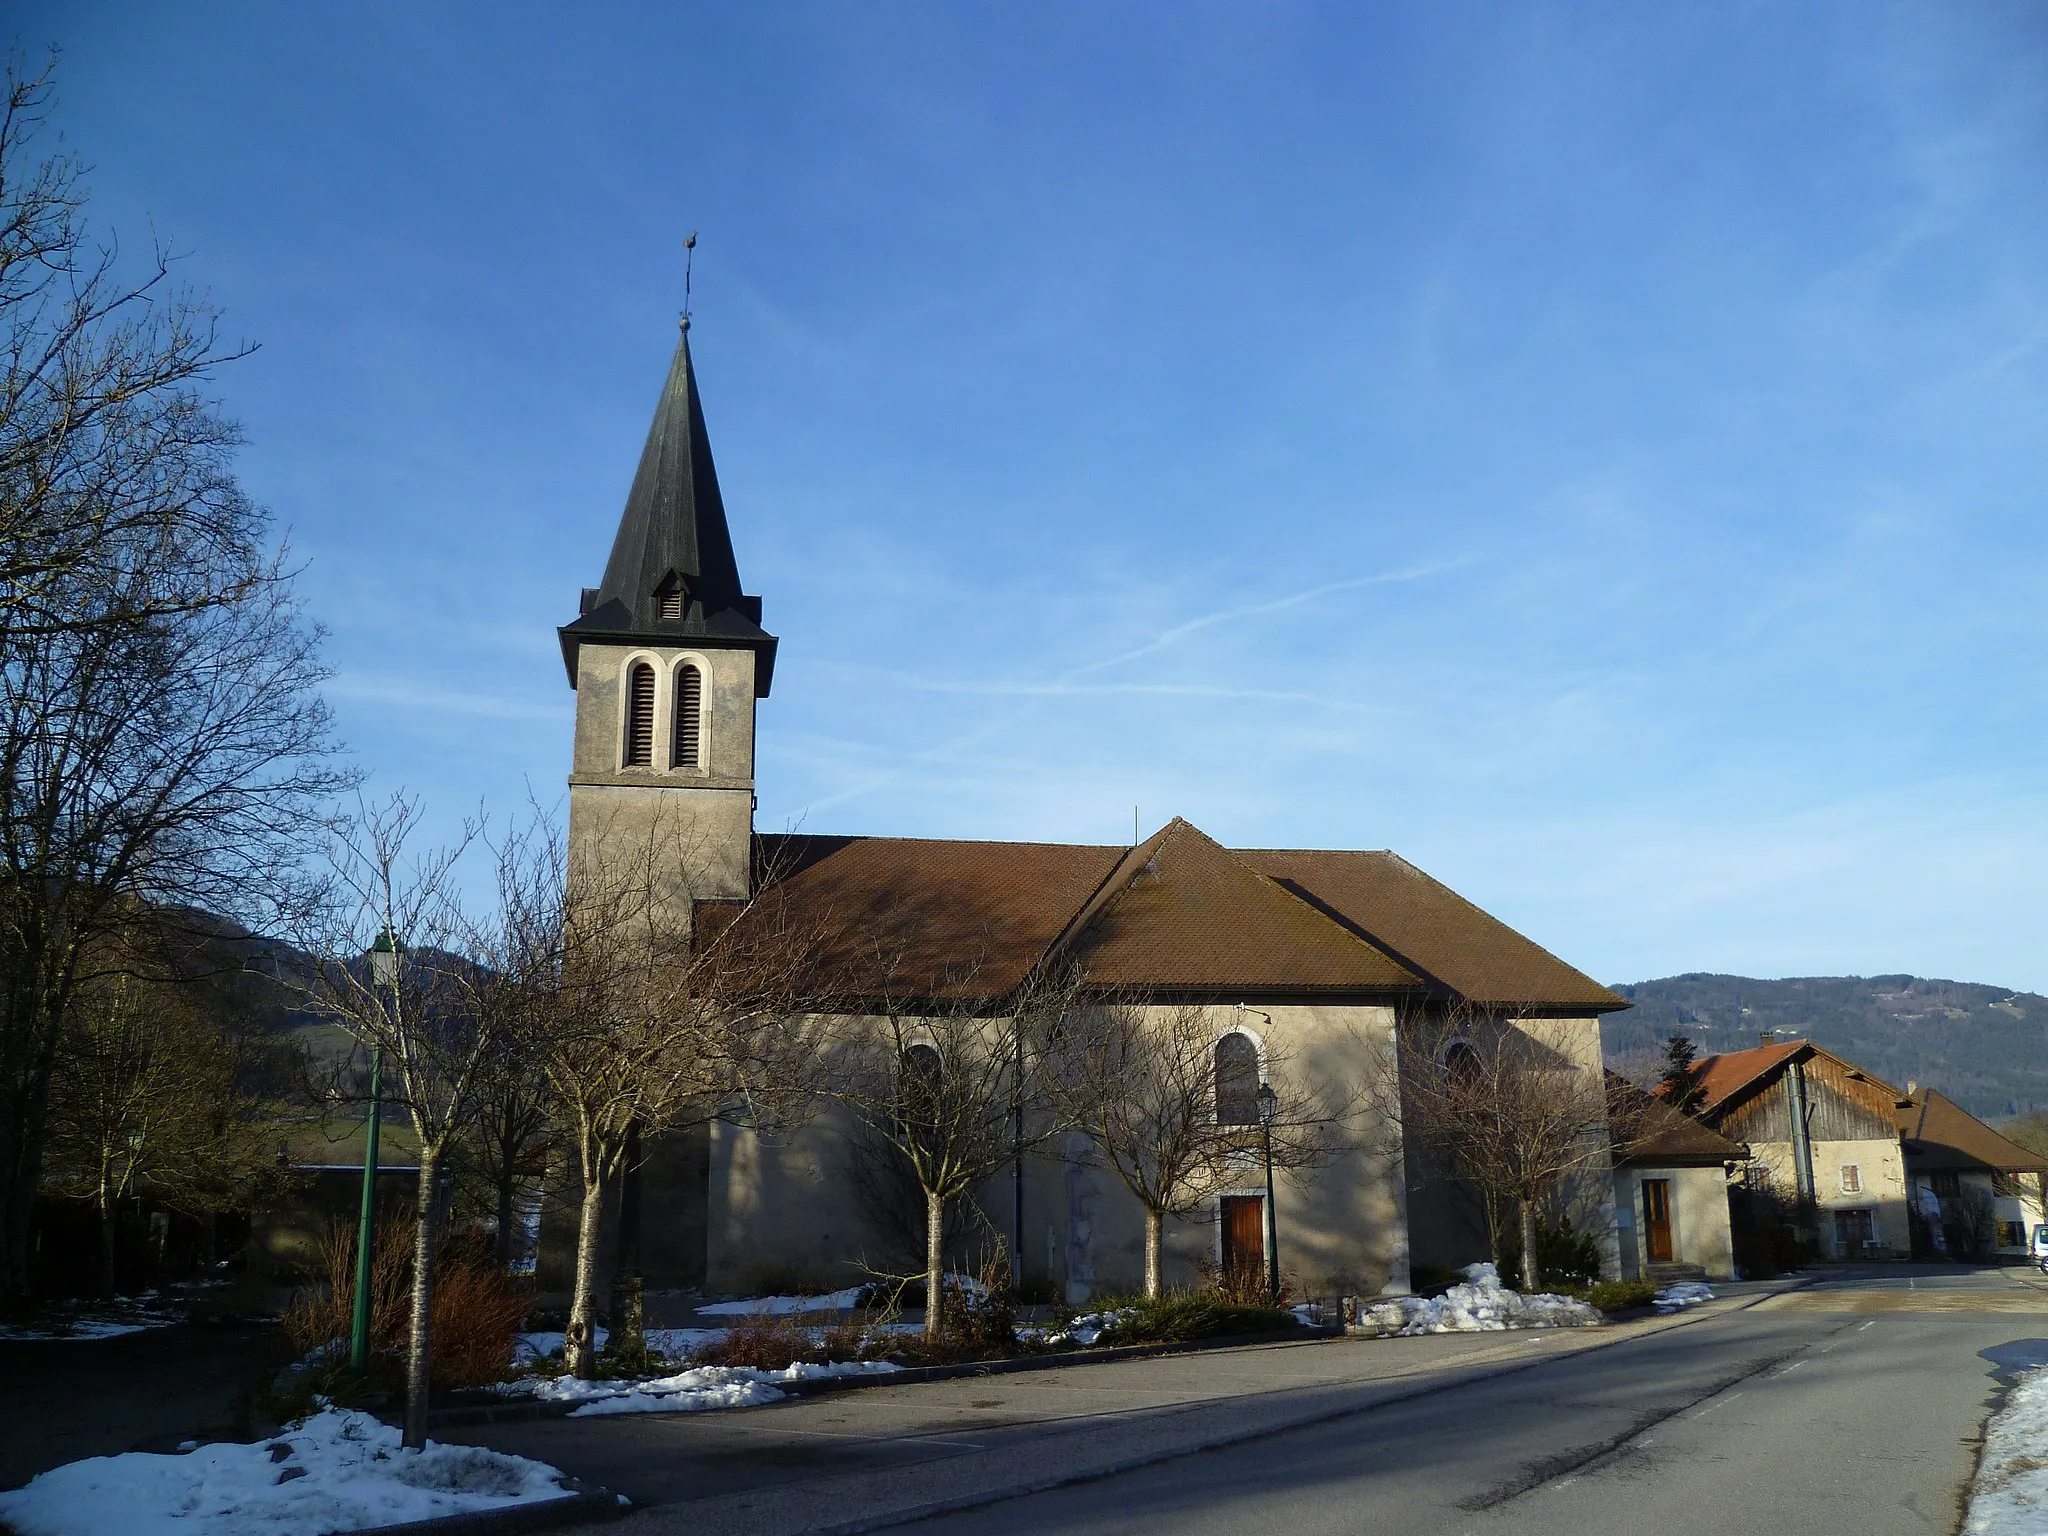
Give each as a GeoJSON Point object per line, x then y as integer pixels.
{"type": "Point", "coordinates": [1311, 953]}
{"type": "Point", "coordinates": [1823, 1137]}
{"type": "Point", "coordinates": [1670, 1189]}
{"type": "Point", "coordinates": [1975, 1192]}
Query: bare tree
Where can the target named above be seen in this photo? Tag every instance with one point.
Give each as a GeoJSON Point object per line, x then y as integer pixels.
{"type": "Point", "coordinates": [107, 443]}
{"type": "Point", "coordinates": [651, 1017]}
{"type": "Point", "coordinates": [161, 736]}
{"type": "Point", "coordinates": [155, 1094]}
{"type": "Point", "coordinates": [429, 1010]}
{"type": "Point", "coordinates": [1172, 1113]}
{"type": "Point", "coordinates": [1504, 1105]}
{"type": "Point", "coordinates": [959, 1088]}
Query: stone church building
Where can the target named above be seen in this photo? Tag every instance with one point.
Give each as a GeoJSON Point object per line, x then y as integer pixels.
{"type": "Point", "coordinates": [1314, 951]}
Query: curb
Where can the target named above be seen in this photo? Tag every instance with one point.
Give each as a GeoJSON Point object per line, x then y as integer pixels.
{"type": "Point", "coordinates": [585, 1506]}
{"type": "Point", "coordinates": [518, 1411]}
{"type": "Point", "coordinates": [911, 1514]}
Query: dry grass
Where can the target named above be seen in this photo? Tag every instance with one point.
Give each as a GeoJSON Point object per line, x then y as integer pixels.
{"type": "Point", "coordinates": [477, 1307]}
{"type": "Point", "coordinates": [776, 1343]}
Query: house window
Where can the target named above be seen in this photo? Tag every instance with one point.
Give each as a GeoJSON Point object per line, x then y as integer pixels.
{"type": "Point", "coordinates": [640, 715]}
{"type": "Point", "coordinates": [689, 716]}
{"type": "Point", "coordinates": [1237, 1080]}
{"type": "Point", "coordinates": [2012, 1234]}
{"type": "Point", "coordinates": [1947, 1185]}
{"type": "Point", "coordinates": [1852, 1179]}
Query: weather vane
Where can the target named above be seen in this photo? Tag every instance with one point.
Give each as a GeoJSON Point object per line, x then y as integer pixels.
{"type": "Point", "coordinates": [689, 260]}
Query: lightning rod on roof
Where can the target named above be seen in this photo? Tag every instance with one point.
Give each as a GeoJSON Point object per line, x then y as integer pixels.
{"type": "Point", "coordinates": [689, 260]}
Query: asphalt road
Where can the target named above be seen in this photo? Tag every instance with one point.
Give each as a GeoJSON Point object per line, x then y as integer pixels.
{"type": "Point", "coordinates": [1853, 1407]}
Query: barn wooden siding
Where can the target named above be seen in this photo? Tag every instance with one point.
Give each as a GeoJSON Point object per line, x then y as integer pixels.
{"type": "Point", "coordinates": [1842, 1105]}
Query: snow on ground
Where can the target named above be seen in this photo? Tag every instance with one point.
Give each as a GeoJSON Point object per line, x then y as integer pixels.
{"type": "Point", "coordinates": [693, 1391]}
{"type": "Point", "coordinates": [669, 1343]}
{"type": "Point", "coordinates": [783, 1306]}
{"type": "Point", "coordinates": [1083, 1330]}
{"type": "Point", "coordinates": [102, 1320]}
{"type": "Point", "coordinates": [2010, 1494]}
{"type": "Point", "coordinates": [1481, 1305]}
{"type": "Point", "coordinates": [1689, 1293]}
{"type": "Point", "coordinates": [337, 1471]}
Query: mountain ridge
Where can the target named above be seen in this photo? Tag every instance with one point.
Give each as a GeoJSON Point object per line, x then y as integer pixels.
{"type": "Point", "coordinates": [1985, 1047]}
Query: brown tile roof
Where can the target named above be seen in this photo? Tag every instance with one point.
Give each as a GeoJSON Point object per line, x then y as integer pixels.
{"type": "Point", "coordinates": [936, 918]}
{"type": "Point", "coordinates": [1186, 912]}
{"type": "Point", "coordinates": [1941, 1135]}
{"type": "Point", "coordinates": [1431, 929]}
{"type": "Point", "coordinates": [930, 918]}
{"type": "Point", "coordinates": [1721, 1077]}
{"type": "Point", "coordinates": [1647, 1132]}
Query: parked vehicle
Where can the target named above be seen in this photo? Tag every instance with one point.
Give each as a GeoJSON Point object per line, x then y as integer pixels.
{"type": "Point", "coordinates": [2041, 1247]}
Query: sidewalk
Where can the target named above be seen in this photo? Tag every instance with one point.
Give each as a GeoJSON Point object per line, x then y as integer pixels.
{"type": "Point", "coordinates": [863, 1460]}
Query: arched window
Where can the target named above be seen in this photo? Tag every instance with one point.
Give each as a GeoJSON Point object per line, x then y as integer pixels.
{"type": "Point", "coordinates": [640, 715]}
{"type": "Point", "coordinates": [917, 1092]}
{"type": "Point", "coordinates": [689, 737]}
{"type": "Point", "coordinates": [1237, 1080]}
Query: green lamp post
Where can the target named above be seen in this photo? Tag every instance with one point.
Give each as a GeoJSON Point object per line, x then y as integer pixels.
{"type": "Point", "coordinates": [383, 959]}
{"type": "Point", "coordinates": [1269, 1108]}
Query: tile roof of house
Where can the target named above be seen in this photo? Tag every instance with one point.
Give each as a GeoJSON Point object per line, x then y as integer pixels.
{"type": "Point", "coordinates": [936, 918]}
{"type": "Point", "coordinates": [1721, 1077]}
{"type": "Point", "coordinates": [1184, 912]}
{"type": "Point", "coordinates": [1647, 1132]}
{"type": "Point", "coordinates": [1941, 1135]}
{"type": "Point", "coordinates": [1431, 929]}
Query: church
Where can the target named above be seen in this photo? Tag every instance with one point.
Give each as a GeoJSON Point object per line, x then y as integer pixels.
{"type": "Point", "coordinates": [1312, 952]}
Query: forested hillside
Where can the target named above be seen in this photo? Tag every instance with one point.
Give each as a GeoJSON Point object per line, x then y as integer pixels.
{"type": "Point", "coordinates": [1985, 1047]}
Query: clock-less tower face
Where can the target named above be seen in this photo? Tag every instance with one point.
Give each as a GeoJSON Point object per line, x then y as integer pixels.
{"type": "Point", "coordinates": [667, 658]}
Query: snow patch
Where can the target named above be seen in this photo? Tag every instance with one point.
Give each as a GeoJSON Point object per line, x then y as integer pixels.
{"type": "Point", "coordinates": [1083, 1330]}
{"type": "Point", "coordinates": [1481, 1305]}
{"type": "Point", "coordinates": [338, 1471]}
{"type": "Point", "coordinates": [784, 1306]}
{"type": "Point", "coordinates": [696, 1390]}
{"type": "Point", "coordinates": [2010, 1494]}
{"type": "Point", "coordinates": [1688, 1293]}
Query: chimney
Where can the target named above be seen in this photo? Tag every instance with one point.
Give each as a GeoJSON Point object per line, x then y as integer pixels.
{"type": "Point", "coordinates": [1912, 1087]}
{"type": "Point", "coordinates": [1768, 1037]}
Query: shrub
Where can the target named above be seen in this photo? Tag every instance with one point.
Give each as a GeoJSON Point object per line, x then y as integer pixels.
{"type": "Point", "coordinates": [1564, 1258]}
{"type": "Point", "coordinates": [477, 1307]}
{"type": "Point", "coordinates": [1620, 1295]}
{"type": "Point", "coordinates": [776, 1343]}
{"type": "Point", "coordinates": [1427, 1280]}
{"type": "Point", "coordinates": [1244, 1283]}
{"type": "Point", "coordinates": [1183, 1315]}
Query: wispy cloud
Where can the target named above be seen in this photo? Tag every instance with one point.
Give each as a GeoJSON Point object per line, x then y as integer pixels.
{"type": "Point", "coordinates": [405, 694]}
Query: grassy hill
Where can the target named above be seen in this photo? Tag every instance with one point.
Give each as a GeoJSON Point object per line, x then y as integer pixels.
{"type": "Point", "coordinates": [1985, 1047]}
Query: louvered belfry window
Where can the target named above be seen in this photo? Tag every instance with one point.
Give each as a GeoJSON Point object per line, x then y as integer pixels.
{"type": "Point", "coordinates": [673, 599]}
{"type": "Point", "coordinates": [640, 716]}
{"type": "Point", "coordinates": [689, 717]}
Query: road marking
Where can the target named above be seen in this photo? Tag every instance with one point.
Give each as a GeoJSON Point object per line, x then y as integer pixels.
{"type": "Point", "coordinates": [1870, 1324]}
{"type": "Point", "coordinates": [1792, 1367]}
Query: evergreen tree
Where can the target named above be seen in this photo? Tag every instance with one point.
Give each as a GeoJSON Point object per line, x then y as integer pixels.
{"type": "Point", "coordinates": [1678, 1087]}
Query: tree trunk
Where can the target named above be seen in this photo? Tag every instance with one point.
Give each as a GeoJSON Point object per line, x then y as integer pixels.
{"type": "Point", "coordinates": [418, 1350]}
{"type": "Point", "coordinates": [579, 1351]}
{"type": "Point", "coordinates": [1528, 1214]}
{"type": "Point", "coordinates": [1155, 1225]}
{"type": "Point", "coordinates": [106, 1247]}
{"type": "Point", "coordinates": [934, 1264]}
{"type": "Point", "coordinates": [505, 1214]}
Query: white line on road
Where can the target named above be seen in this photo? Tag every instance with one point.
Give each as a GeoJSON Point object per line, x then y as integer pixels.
{"type": "Point", "coordinates": [1862, 1326]}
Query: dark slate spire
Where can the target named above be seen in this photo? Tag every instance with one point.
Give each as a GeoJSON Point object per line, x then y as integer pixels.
{"type": "Point", "coordinates": [672, 578]}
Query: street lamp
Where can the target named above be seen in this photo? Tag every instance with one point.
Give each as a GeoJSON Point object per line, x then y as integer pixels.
{"type": "Point", "coordinates": [383, 958]}
{"type": "Point", "coordinates": [1269, 1108]}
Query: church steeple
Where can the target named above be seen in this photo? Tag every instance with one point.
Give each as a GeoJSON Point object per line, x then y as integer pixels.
{"type": "Point", "coordinates": [672, 578]}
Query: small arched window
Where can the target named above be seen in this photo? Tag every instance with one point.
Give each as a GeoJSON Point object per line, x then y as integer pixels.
{"type": "Point", "coordinates": [640, 715]}
{"type": "Point", "coordinates": [918, 1075]}
{"type": "Point", "coordinates": [672, 599]}
{"type": "Point", "coordinates": [689, 737]}
{"type": "Point", "coordinates": [1237, 1080]}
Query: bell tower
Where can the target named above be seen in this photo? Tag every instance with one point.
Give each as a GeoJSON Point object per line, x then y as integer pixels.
{"type": "Point", "coordinates": [667, 657]}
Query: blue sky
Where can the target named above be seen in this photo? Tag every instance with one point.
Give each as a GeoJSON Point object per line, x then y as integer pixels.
{"type": "Point", "coordinates": [1594, 450]}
